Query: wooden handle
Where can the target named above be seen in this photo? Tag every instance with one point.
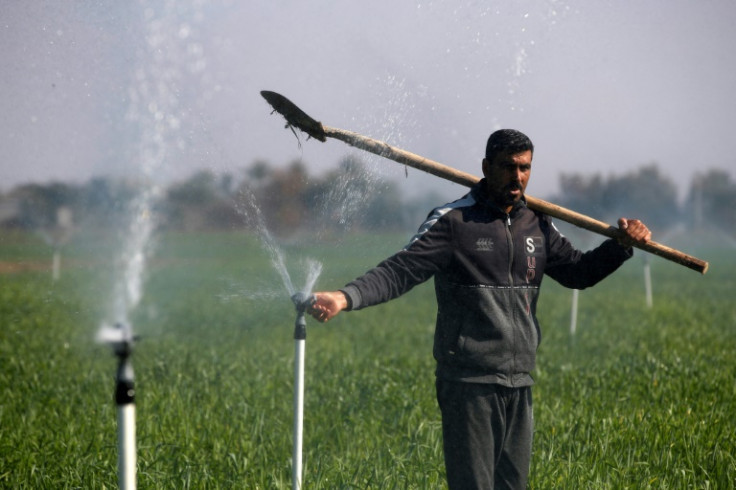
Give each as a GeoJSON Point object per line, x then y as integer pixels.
{"type": "Point", "coordinates": [605, 229]}
{"type": "Point", "coordinates": [295, 117]}
{"type": "Point", "coordinates": [463, 178]}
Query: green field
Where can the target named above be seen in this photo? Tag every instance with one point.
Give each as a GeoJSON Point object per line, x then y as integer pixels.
{"type": "Point", "coordinates": [639, 398]}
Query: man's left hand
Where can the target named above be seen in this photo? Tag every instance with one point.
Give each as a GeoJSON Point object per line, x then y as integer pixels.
{"type": "Point", "coordinates": [633, 232]}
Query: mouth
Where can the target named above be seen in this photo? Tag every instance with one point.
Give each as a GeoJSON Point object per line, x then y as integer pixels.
{"type": "Point", "coordinates": [514, 190]}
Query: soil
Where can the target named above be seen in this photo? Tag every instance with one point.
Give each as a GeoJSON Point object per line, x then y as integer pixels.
{"type": "Point", "coordinates": [24, 266]}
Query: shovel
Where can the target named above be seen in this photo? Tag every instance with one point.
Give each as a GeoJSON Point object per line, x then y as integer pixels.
{"type": "Point", "coordinates": [296, 118]}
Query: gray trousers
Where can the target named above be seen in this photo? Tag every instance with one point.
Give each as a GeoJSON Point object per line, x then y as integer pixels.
{"type": "Point", "coordinates": [487, 434]}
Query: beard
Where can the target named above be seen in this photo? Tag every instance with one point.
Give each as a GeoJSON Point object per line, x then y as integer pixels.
{"type": "Point", "coordinates": [506, 195]}
{"type": "Point", "coordinates": [509, 195]}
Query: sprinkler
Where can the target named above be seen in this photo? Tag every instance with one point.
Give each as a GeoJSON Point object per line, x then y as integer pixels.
{"type": "Point", "coordinates": [302, 301]}
{"type": "Point", "coordinates": [121, 339]}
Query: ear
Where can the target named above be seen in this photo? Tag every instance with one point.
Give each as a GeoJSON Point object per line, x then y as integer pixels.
{"type": "Point", "coordinates": [486, 167]}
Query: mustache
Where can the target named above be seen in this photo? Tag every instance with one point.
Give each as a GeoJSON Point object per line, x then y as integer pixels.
{"type": "Point", "coordinates": [513, 186]}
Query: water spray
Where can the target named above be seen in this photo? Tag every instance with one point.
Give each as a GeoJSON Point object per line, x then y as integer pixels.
{"type": "Point", "coordinates": [301, 301]}
{"type": "Point", "coordinates": [121, 339]}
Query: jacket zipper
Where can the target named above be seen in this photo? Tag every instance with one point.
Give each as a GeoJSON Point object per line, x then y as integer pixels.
{"type": "Point", "coordinates": [510, 238]}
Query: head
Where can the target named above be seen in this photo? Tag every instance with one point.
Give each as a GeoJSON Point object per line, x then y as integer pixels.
{"type": "Point", "coordinates": [507, 166]}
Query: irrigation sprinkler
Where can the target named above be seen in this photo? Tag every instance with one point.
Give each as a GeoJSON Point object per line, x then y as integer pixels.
{"type": "Point", "coordinates": [56, 236]}
{"type": "Point", "coordinates": [121, 339]}
{"type": "Point", "coordinates": [302, 301]}
{"type": "Point", "coordinates": [648, 281]}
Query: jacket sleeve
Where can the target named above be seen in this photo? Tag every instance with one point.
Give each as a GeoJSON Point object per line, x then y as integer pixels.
{"type": "Point", "coordinates": [577, 270]}
{"type": "Point", "coordinates": [427, 253]}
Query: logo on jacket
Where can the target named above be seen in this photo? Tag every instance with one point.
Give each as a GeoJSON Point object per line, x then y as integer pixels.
{"type": "Point", "coordinates": [533, 245]}
{"type": "Point", "coordinates": [484, 244]}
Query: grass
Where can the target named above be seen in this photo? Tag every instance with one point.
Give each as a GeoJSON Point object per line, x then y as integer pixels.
{"type": "Point", "coordinates": [638, 398]}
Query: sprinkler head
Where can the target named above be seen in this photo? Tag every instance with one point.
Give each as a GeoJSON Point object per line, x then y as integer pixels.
{"type": "Point", "coordinates": [302, 301]}
{"type": "Point", "coordinates": [119, 337]}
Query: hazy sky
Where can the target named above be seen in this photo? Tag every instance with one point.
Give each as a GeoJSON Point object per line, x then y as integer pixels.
{"type": "Point", "coordinates": [92, 88]}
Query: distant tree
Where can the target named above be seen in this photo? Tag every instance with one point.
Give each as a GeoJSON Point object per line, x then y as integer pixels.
{"type": "Point", "coordinates": [226, 184]}
{"type": "Point", "coordinates": [583, 194]}
{"type": "Point", "coordinates": [39, 203]}
{"type": "Point", "coordinates": [349, 197]}
{"type": "Point", "coordinates": [644, 193]}
{"type": "Point", "coordinates": [105, 201]}
{"type": "Point", "coordinates": [282, 198]}
{"type": "Point", "coordinates": [258, 173]}
{"type": "Point", "coordinates": [99, 195]}
{"type": "Point", "coordinates": [383, 210]}
{"type": "Point", "coordinates": [352, 198]}
{"type": "Point", "coordinates": [198, 203]}
{"type": "Point", "coordinates": [415, 210]}
{"type": "Point", "coordinates": [345, 194]}
{"type": "Point", "coordinates": [711, 200]}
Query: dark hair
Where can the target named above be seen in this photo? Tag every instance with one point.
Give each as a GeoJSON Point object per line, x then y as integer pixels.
{"type": "Point", "coordinates": [507, 141]}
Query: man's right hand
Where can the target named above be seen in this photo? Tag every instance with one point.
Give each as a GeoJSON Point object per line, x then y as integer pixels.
{"type": "Point", "coordinates": [327, 304]}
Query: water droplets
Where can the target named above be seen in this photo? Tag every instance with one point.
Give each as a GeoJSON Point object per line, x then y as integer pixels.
{"type": "Point", "coordinates": [184, 31]}
{"type": "Point", "coordinates": [247, 207]}
{"type": "Point", "coordinates": [157, 115]}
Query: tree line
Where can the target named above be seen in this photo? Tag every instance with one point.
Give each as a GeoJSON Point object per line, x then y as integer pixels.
{"type": "Point", "coordinates": [288, 199]}
{"type": "Point", "coordinates": [350, 197]}
{"type": "Point", "coordinates": [646, 193]}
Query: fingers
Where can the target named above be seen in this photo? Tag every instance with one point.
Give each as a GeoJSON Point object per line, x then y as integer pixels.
{"type": "Point", "coordinates": [327, 305]}
{"type": "Point", "coordinates": [318, 308]}
{"type": "Point", "coordinates": [638, 231]}
{"type": "Point", "coordinates": [321, 312]}
{"type": "Point", "coordinates": [321, 315]}
{"type": "Point", "coordinates": [633, 231]}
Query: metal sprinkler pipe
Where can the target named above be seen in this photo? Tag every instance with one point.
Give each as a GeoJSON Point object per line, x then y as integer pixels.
{"type": "Point", "coordinates": [125, 401]}
{"type": "Point", "coordinates": [301, 301]}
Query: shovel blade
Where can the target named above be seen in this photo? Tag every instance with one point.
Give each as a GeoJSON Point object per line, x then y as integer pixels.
{"type": "Point", "coordinates": [295, 116]}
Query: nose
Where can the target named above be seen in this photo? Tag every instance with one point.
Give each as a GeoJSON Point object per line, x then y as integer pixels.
{"type": "Point", "coordinates": [516, 174]}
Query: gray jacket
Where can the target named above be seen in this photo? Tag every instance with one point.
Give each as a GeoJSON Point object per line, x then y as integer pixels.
{"type": "Point", "coordinates": [487, 267]}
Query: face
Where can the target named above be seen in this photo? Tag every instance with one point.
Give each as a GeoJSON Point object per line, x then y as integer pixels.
{"type": "Point", "coordinates": [507, 176]}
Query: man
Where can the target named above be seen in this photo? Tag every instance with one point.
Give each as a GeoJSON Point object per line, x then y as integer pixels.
{"type": "Point", "coordinates": [487, 253]}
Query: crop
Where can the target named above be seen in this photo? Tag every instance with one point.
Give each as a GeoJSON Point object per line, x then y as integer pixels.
{"type": "Point", "coordinates": [638, 398]}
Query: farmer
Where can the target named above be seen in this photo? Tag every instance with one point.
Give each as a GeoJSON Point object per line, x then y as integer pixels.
{"type": "Point", "coordinates": [487, 253]}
